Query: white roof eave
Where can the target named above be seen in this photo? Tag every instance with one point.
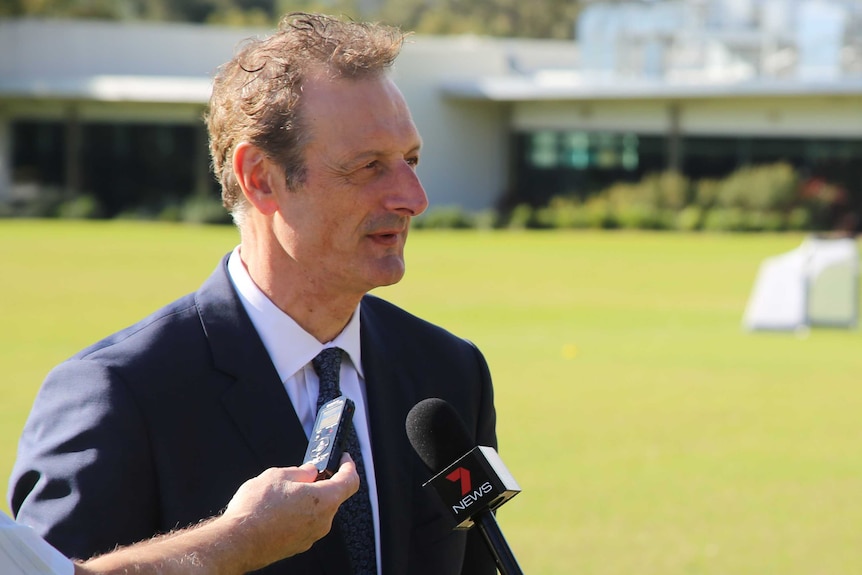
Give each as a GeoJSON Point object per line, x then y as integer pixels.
{"type": "Point", "coordinates": [540, 87]}
{"type": "Point", "coordinates": [108, 88]}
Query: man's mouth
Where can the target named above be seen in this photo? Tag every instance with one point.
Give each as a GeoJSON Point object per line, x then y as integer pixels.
{"type": "Point", "coordinates": [386, 237]}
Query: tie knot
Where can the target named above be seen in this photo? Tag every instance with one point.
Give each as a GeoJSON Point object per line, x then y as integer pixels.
{"type": "Point", "coordinates": [327, 364]}
{"type": "Point", "coordinates": [327, 361]}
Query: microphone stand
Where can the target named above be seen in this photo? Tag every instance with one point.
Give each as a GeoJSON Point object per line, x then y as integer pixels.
{"type": "Point", "coordinates": [503, 556]}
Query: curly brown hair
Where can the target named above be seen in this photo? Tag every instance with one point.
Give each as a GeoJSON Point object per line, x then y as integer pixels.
{"type": "Point", "coordinates": [256, 96]}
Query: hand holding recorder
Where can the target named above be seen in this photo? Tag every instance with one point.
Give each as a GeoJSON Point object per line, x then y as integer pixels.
{"type": "Point", "coordinates": [277, 514]}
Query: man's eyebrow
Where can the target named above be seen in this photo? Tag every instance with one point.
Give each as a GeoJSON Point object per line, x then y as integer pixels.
{"type": "Point", "coordinates": [372, 154]}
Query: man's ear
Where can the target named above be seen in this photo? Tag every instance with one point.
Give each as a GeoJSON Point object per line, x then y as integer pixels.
{"type": "Point", "coordinates": [257, 176]}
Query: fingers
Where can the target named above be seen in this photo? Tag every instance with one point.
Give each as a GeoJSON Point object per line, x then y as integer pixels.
{"type": "Point", "coordinates": [305, 473]}
{"type": "Point", "coordinates": [289, 489]}
{"type": "Point", "coordinates": [346, 477]}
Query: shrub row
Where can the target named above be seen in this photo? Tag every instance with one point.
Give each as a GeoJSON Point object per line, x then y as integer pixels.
{"type": "Point", "coordinates": [759, 198]}
{"type": "Point", "coordinates": [52, 204]}
{"type": "Point", "coordinates": [596, 215]}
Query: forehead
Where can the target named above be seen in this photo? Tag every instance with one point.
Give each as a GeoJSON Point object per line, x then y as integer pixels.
{"type": "Point", "coordinates": [357, 113]}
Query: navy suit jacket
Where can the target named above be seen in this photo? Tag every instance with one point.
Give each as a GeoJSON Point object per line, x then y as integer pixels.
{"type": "Point", "coordinates": [155, 428]}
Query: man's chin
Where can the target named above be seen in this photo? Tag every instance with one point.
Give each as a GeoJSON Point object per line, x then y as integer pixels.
{"type": "Point", "coordinates": [389, 272]}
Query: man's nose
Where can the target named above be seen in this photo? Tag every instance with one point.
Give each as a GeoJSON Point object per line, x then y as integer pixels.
{"type": "Point", "coordinates": [408, 195]}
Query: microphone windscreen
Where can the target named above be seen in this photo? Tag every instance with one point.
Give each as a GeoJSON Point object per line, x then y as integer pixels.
{"type": "Point", "coordinates": [437, 433]}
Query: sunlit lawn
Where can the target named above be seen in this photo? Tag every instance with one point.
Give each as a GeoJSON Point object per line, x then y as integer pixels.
{"type": "Point", "coordinates": [649, 433]}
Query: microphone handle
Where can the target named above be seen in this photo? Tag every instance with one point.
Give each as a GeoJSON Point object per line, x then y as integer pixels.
{"type": "Point", "coordinates": [503, 556]}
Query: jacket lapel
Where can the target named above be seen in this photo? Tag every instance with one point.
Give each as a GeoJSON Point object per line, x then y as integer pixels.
{"type": "Point", "coordinates": [257, 402]}
{"type": "Point", "coordinates": [389, 400]}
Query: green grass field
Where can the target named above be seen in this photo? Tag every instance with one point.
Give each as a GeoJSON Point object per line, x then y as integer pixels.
{"type": "Point", "coordinates": [650, 434]}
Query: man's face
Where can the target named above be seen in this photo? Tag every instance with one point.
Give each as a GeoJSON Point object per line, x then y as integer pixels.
{"type": "Point", "coordinates": [346, 225]}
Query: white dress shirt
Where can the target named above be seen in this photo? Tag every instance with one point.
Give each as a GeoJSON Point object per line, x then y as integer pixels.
{"type": "Point", "coordinates": [23, 552]}
{"type": "Point", "coordinates": [291, 349]}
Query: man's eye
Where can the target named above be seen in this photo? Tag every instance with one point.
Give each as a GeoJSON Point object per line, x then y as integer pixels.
{"type": "Point", "coordinates": [371, 165]}
{"type": "Point", "coordinates": [413, 161]}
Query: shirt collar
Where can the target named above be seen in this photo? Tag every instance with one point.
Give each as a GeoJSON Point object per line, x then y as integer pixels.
{"type": "Point", "coordinates": [289, 346]}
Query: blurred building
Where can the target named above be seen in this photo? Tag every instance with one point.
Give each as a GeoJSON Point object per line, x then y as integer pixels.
{"type": "Point", "coordinates": [700, 86]}
{"type": "Point", "coordinates": [109, 109]}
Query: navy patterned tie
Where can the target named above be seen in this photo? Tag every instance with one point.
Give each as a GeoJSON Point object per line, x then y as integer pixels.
{"type": "Point", "coordinates": [354, 516]}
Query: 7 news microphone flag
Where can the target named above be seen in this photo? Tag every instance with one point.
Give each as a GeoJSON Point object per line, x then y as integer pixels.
{"type": "Point", "coordinates": [471, 480]}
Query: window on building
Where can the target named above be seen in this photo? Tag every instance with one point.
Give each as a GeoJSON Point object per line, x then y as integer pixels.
{"type": "Point", "coordinates": [138, 166]}
{"type": "Point", "coordinates": [38, 152]}
{"type": "Point", "coordinates": [831, 159]}
{"type": "Point", "coordinates": [580, 162]}
{"type": "Point", "coordinates": [126, 166]}
{"type": "Point", "coordinates": [543, 150]}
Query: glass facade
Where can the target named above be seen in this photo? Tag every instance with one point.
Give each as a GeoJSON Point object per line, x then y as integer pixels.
{"type": "Point", "coordinates": [125, 166]}
{"type": "Point", "coordinates": [38, 153]}
{"type": "Point", "coordinates": [579, 163]}
{"type": "Point", "coordinates": [552, 163]}
{"type": "Point", "coordinates": [835, 160]}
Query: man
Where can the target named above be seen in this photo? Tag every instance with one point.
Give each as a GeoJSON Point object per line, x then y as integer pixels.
{"type": "Point", "coordinates": [156, 426]}
{"type": "Point", "coordinates": [274, 515]}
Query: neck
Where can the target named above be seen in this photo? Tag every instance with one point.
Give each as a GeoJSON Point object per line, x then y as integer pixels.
{"type": "Point", "coordinates": [316, 307]}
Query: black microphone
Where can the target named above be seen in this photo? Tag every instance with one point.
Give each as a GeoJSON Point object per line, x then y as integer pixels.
{"type": "Point", "coordinates": [471, 480]}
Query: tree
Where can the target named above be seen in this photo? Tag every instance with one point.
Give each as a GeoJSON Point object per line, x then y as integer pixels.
{"type": "Point", "coordinates": [506, 18]}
